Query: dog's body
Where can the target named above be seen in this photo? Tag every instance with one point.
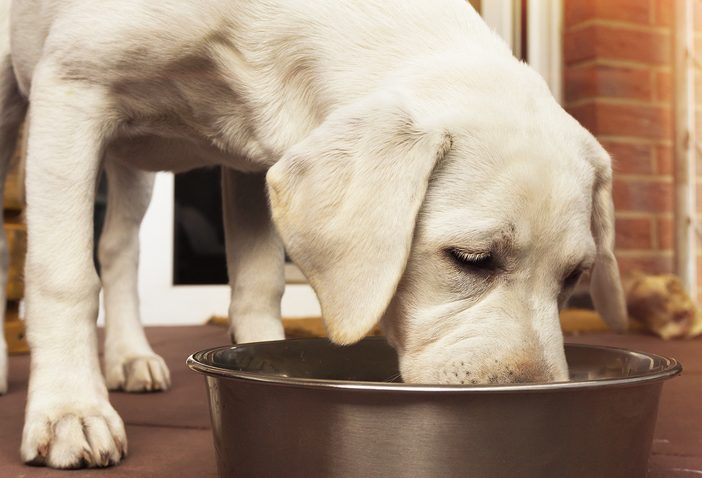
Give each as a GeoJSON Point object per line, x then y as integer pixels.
{"type": "Point", "coordinates": [418, 174]}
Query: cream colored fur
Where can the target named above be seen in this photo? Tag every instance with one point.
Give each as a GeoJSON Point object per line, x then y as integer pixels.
{"type": "Point", "coordinates": [418, 174]}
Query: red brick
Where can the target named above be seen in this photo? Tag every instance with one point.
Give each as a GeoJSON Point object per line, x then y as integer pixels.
{"type": "Point", "coordinates": [580, 83]}
{"type": "Point", "coordinates": [665, 233]}
{"type": "Point", "coordinates": [630, 158]}
{"type": "Point", "coordinates": [634, 120]}
{"type": "Point", "coordinates": [607, 81]}
{"type": "Point", "coordinates": [664, 160]}
{"type": "Point", "coordinates": [586, 115]}
{"type": "Point", "coordinates": [579, 46]}
{"type": "Point", "coordinates": [664, 86]}
{"type": "Point", "coordinates": [663, 12]}
{"type": "Point", "coordinates": [577, 11]}
{"type": "Point", "coordinates": [616, 43]}
{"type": "Point", "coordinates": [634, 233]}
{"type": "Point", "coordinates": [635, 11]}
{"type": "Point", "coordinates": [643, 196]}
{"type": "Point", "coordinates": [619, 82]}
{"type": "Point", "coordinates": [697, 12]}
{"type": "Point", "coordinates": [616, 119]}
{"type": "Point", "coordinates": [650, 265]}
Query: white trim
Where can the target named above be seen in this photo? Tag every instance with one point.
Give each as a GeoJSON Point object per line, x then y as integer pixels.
{"type": "Point", "coordinates": [499, 15]}
{"type": "Point", "coordinates": [685, 147]}
{"type": "Point", "coordinates": [163, 303]}
{"type": "Point", "coordinates": [544, 35]}
{"type": "Point", "coordinates": [545, 42]}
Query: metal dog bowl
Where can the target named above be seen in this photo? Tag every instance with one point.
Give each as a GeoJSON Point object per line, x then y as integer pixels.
{"type": "Point", "coordinates": [306, 408]}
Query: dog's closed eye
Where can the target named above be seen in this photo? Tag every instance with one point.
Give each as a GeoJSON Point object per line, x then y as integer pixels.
{"type": "Point", "coordinates": [572, 278]}
{"type": "Point", "coordinates": [476, 261]}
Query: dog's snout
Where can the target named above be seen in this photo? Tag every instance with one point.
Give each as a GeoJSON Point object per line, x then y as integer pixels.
{"type": "Point", "coordinates": [495, 371]}
{"type": "Point", "coordinates": [528, 371]}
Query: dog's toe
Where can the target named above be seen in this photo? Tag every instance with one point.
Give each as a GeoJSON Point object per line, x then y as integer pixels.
{"type": "Point", "coordinates": [74, 439]}
{"type": "Point", "coordinates": [139, 374]}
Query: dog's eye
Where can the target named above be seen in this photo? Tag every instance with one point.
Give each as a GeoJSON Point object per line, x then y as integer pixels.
{"type": "Point", "coordinates": [474, 260]}
{"type": "Point", "coordinates": [572, 279]}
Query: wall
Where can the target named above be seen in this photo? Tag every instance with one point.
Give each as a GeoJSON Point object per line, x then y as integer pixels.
{"type": "Point", "coordinates": [617, 83]}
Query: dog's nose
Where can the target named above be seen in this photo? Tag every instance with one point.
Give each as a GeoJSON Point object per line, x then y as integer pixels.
{"type": "Point", "coordinates": [504, 372]}
{"type": "Point", "coordinates": [516, 367]}
{"type": "Point", "coordinates": [527, 371]}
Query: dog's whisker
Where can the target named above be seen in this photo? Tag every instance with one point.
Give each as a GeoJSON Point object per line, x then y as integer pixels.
{"type": "Point", "coordinates": [397, 377]}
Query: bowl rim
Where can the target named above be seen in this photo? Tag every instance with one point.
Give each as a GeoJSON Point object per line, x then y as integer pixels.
{"type": "Point", "coordinates": [195, 362]}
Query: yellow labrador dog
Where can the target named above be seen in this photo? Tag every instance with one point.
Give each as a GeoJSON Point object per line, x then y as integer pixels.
{"type": "Point", "coordinates": [417, 173]}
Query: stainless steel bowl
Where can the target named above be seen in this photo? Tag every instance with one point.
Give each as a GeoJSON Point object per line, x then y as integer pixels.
{"type": "Point", "coordinates": [307, 408]}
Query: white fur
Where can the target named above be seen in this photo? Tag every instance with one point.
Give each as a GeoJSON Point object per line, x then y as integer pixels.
{"type": "Point", "coordinates": [392, 133]}
{"type": "Point", "coordinates": [130, 363]}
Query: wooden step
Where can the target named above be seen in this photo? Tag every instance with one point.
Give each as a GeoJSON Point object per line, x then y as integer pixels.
{"type": "Point", "coordinates": [14, 183]}
{"type": "Point", "coordinates": [14, 330]}
{"type": "Point", "coordinates": [17, 248]}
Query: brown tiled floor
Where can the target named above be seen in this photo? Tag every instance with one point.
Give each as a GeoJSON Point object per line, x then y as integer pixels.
{"type": "Point", "coordinates": [169, 433]}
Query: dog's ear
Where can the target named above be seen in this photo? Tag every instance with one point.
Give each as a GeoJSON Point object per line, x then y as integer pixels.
{"type": "Point", "coordinates": [605, 284]}
{"type": "Point", "coordinates": [345, 201]}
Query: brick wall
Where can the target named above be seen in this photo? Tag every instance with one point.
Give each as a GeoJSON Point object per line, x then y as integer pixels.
{"type": "Point", "coordinates": [617, 81]}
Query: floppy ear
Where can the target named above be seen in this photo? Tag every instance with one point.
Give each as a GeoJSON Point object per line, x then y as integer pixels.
{"type": "Point", "coordinates": [345, 201]}
{"type": "Point", "coordinates": [605, 284]}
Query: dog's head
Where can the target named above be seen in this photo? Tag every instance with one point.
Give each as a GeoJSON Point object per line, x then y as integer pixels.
{"type": "Point", "coordinates": [462, 233]}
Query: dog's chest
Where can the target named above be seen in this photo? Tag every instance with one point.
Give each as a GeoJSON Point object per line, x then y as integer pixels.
{"type": "Point", "coordinates": [171, 122]}
{"type": "Point", "coordinates": [197, 111]}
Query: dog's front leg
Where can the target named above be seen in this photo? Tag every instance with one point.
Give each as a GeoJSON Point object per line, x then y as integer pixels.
{"type": "Point", "coordinates": [255, 259]}
{"type": "Point", "coordinates": [69, 421]}
{"type": "Point", "coordinates": [130, 363]}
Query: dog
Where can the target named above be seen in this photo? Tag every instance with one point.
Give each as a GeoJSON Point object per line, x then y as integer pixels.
{"type": "Point", "coordinates": [418, 174]}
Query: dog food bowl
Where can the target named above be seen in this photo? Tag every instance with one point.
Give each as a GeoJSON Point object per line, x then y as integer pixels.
{"type": "Point", "coordinates": [307, 408]}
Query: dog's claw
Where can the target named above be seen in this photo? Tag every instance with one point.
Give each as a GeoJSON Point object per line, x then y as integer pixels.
{"type": "Point", "coordinates": [138, 374]}
{"type": "Point", "coordinates": [78, 438]}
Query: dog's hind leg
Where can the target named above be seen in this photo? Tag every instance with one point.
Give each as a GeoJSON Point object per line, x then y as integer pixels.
{"type": "Point", "coordinates": [130, 363]}
{"type": "Point", "coordinates": [12, 110]}
{"type": "Point", "coordinates": [255, 259]}
{"type": "Point", "coordinates": [69, 421]}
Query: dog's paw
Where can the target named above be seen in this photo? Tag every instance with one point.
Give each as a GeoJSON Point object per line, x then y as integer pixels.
{"type": "Point", "coordinates": [73, 436]}
{"type": "Point", "coordinates": [147, 373]}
